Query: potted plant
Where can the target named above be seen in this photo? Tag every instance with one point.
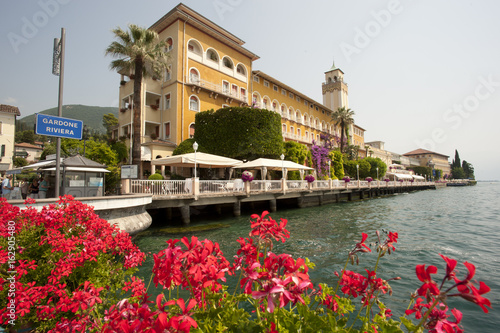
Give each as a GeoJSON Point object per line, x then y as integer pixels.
{"type": "Point", "coordinates": [247, 176]}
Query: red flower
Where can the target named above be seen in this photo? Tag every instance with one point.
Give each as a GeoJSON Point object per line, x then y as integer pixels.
{"type": "Point", "coordinates": [450, 267]}
{"type": "Point", "coordinates": [424, 275]}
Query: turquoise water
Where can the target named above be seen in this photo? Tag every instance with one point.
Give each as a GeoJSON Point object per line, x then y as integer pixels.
{"type": "Point", "coordinates": [461, 223]}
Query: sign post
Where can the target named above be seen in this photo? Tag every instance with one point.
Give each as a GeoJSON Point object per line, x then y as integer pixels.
{"type": "Point", "coordinates": [58, 70]}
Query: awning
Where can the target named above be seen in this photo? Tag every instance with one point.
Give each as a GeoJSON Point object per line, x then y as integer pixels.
{"type": "Point", "coordinates": [79, 169]}
{"type": "Point", "coordinates": [39, 164]}
{"type": "Point", "coordinates": [203, 160]}
{"type": "Point", "coordinates": [145, 153]}
{"type": "Point", "coordinates": [403, 176]}
{"type": "Point", "coordinates": [418, 177]}
{"type": "Point", "coordinates": [271, 164]}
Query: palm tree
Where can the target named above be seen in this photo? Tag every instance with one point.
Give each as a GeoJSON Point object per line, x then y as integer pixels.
{"type": "Point", "coordinates": [140, 52]}
{"type": "Point", "coordinates": [343, 117]}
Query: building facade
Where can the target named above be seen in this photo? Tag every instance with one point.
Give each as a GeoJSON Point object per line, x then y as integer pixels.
{"type": "Point", "coordinates": [209, 69]}
{"type": "Point", "coordinates": [431, 159]}
{"type": "Point", "coordinates": [8, 116]}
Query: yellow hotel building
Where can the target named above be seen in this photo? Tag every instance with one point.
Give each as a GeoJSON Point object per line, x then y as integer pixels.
{"type": "Point", "coordinates": [209, 69]}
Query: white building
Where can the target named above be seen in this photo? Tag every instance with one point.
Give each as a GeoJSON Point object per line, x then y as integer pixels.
{"type": "Point", "coordinates": [8, 116]}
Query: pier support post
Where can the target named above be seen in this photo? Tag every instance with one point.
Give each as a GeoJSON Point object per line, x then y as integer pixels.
{"type": "Point", "coordinates": [185, 214]}
{"type": "Point", "coordinates": [272, 205]}
{"type": "Point", "coordinates": [218, 209]}
{"type": "Point", "coordinates": [349, 196]}
{"type": "Point", "coordinates": [300, 202]}
{"type": "Point", "coordinates": [361, 195]}
{"type": "Point", "coordinates": [320, 199]}
{"type": "Point", "coordinates": [237, 208]}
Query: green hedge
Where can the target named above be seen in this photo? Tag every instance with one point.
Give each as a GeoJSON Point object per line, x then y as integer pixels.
{"type": "Point", "coordinates": [240, 132]}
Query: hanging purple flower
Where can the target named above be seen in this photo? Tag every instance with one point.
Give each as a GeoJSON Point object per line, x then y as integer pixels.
{"type": "Point", "coordinates": [309, 178]}
{"type": "Point", "coordinates": [369, 179]}
{"type": "Point", "coordinates": [247, 176]}
{"type": "Point", "coordinates": [346, 179]}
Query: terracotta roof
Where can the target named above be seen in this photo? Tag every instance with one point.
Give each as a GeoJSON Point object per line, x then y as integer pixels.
{"type": "Point", "coordinates": [10, 109]}
{"type": "Point", "coordinates": [27, 145]}
{"type": "Point", "coordinates": [421, 151]}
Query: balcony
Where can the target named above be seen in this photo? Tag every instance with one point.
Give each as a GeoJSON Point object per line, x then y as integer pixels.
{"type": "Point", "coordinates": [215, 89]}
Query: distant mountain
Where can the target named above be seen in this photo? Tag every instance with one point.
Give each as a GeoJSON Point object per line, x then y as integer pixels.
{"type": "Point", "coordinates": [90, 115]}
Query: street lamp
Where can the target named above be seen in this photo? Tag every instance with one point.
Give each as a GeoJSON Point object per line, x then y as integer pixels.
{"type": "Point", "coordinates": [195, 147]}
{"type": "Point", "coordinates": [282, 166]}
{"type": "Point", "coordinates": [357, 170]}
{"type": "Point", "coordinates": [329, 172]}
{"type": "Point", "coordinates": [377, 173]}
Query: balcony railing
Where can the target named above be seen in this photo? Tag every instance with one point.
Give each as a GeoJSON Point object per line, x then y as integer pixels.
{"type": "Point", "coordinates": [194, 80]}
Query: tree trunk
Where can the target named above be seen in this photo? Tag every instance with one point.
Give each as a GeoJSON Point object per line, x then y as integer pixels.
{"type": "Point", "coordinates": [137, 133]}
{"type": "Point", "coordinates": [342, 137]}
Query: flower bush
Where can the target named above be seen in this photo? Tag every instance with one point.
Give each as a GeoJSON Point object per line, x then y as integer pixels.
{"type": "Point", "coordinates": [247, 176]}
{"type": "Point", "coordinates": [369, 179]}
{"type": "Point", "coordinates": [387, 180]}
{"type": "Point", "coordinates": [309, 178]}
{"type": "Point", "coordinates": [346, 179]}
{"type": "Point", "coordinates": [274, 292]}
{"type": "Point", "coordinates": [61, 265]}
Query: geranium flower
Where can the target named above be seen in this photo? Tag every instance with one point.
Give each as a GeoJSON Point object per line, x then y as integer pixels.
{"type": "Point", "coordinates": [424, 275]}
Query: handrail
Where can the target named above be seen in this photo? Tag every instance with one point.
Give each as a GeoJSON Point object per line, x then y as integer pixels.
{"type": "Point", "coordinates": [176, 188]}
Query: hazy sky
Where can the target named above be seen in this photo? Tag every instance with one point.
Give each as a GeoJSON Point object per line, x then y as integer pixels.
{"type": "Point", "coordinates": [421, 74]}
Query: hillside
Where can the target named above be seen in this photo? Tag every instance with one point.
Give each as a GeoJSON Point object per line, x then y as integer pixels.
{"type": "Point", "coordinates": [90, 115]}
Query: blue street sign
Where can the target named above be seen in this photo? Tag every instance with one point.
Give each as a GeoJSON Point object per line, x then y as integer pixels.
{"type": "Point", "coordinates": [58, 126]}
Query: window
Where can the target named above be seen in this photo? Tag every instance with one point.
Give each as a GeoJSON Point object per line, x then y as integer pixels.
{"type": "Point", "coordinates": [290, 95]}
{"type": "Point", "coordinates": [234, 90]}
{"type": "Point", "coordinates": [266, 83]}
{"type": "Point", "coordinates": [292, 130]}
{"type": "Point", "coordinates": [255, 99]}
{"type": "Point", "coordinates": [298, 132]}
{"type": "Point", "coordinates": [227, 62]}
{"type": "Point", "coordinates": [306, 135]}
{"type": "Point", "coordinates": [243, 93]}
{"type": "Point", "coordinates": [225, 106]}
{"type": "Point", "coordinates": [225, 87]}
{"type": "Point", "coordinates": [194, 104]}
{"type": "Point", "coordinates": [274, 106]}
{"type": "Point", "coordinates": [170, 44]}
{"type": "Point", "coordinates": [283, 128]}
{"type": "Point", "coordinates": [167, 101]}
{"type": "Point", "coordinates": [194, 47]}
{"type": "Point", "coordinates": [240, 69]}
{"type": "Point", "coordinates": [2, 152]}
{"type": "Point", "coordinates": [168, 73]}
{"type": "Point", "coordinates": [191, 131]}
{"type": "Point", "coordinates": [1, 127]}
{"type": "Point", "coordinates": [265, 103]}
{"type": "Point", "coordinates": [298, 99]}
{"type": "Point", "coordinates": [212, 55]}
{"type": "Point", "coordinates": [275, 87]}
{"type": "Point", "coordinates": [167, 130]}
{"type": "Point", "coordinates": [256, 79]}
{"type": "Point", "coordinates": [283, 92]}
{"type": "Point", "coordinates": [194, 76]}
{"type": "Point", "coordinates": [305, 103]}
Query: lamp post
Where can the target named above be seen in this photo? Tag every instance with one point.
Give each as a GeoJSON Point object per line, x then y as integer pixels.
{"type": "Point", "coordinates": [282, 166]}
{"type": "Point", "coordinates": [195, 147]}
{"type": "Point", "coordinates": [85, 137]}
{"type": "Point", "coordinates": [329, 172]}
{"type": "Point", "coordinates": [377, 174]}
{"type": "Point", "coordinates": [357, 171]}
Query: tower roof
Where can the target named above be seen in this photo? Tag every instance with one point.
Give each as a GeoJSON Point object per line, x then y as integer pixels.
{"type": "Point", "coordinates": [334, 68]}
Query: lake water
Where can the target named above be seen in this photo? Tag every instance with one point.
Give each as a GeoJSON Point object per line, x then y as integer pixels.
{"type": "Point", "coordinates": [462, 223]}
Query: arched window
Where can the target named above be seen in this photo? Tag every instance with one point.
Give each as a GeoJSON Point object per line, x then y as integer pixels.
{"type": "Point", "coordinates": [240, 69]}
{"type": "Point", "coordinates": [283, 111]}
{"type": "Point", "coordinates": [194, 103]}
{"type": "Point", "coordinates": [170, 44]}
{"type": "Point", "coordinates": [227, 62]}
{"type": "Point", "coordinates": [292, 130]}
{"type": "Point", "coordinates": [191, 131]}
{"type": "Point", "coordinates": [299, 134]}
{"type": "Point", "coordinates": [212, 55]}
{"type": "Point", "coordinates": [283, 128]}
{"type": "Point", "coordinates": [194, 76]}
{"type": "Point", "coordinates": [264, 102]}
{"type": "Point", "coordinates": [194, 46]}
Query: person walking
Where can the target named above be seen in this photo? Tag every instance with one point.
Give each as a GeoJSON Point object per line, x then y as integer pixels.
{"type": "Point", "coordinates": [24, 188]}
{"type": "Point", "coordinates": [43, 188]}
{"type": "Point", "coordinates": [7, 187]}
{"type": "Point", "coordinates": [34, 189]}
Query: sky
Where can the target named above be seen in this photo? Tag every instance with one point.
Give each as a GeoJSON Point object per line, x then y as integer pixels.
{"type": "Point", "coordinates": [421, 74]}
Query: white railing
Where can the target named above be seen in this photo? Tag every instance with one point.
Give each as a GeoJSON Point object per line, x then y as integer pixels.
{"type": "Point", "coordinates": [216, 88]}
{"type": "Point", "coordinates": [166, 188]}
